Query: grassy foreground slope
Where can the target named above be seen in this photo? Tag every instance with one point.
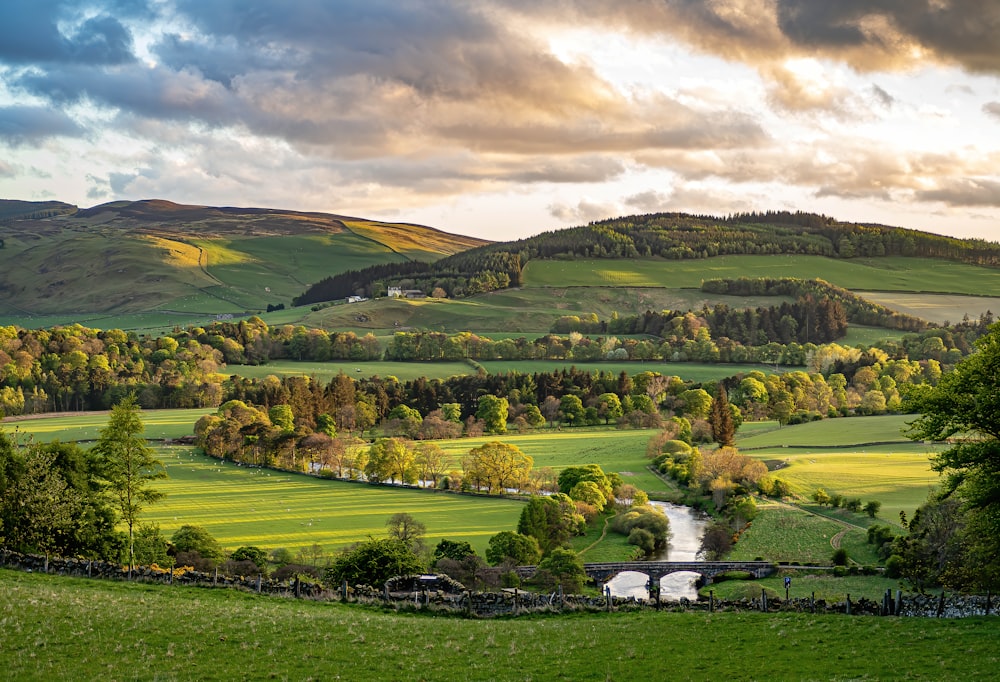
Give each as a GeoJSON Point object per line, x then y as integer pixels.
{"type": "Point", "coordinates": [83, 629]}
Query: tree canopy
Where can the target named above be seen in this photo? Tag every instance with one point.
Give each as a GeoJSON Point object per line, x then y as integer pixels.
{"type": "Point", "coordinates": [964, 407]}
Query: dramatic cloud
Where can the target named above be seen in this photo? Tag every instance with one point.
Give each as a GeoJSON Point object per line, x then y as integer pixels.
{"type": "Point", "coordinates": [31, 32]}
{"type": "Point", "coordinates": [26, 124]}
{"type": "Point", "coordinates": [570, 107]}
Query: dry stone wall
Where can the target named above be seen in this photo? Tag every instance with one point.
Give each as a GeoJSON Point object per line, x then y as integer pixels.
{"type": "Point", "coordinates": [441, 593]}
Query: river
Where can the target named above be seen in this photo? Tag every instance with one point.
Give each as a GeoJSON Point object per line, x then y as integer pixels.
{"type": "Point", "coordinates": [686, 527]}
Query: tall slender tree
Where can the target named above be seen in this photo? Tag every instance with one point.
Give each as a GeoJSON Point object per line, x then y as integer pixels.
{"type": "Point", "coordinates": [723, 427]}
{"type": "Point", "coordinates": [128, 466]}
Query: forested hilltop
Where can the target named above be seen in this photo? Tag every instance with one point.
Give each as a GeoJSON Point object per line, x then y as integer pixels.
{"type": "Point", "coordinates": [660, 235]}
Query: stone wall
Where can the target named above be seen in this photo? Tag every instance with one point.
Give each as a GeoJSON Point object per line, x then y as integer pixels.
{"type": "Point", "coordinates": [442, 594]}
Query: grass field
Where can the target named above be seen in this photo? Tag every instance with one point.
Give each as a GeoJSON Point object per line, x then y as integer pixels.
{"type": "Point", "coordinates": [833, 454]}
{"type": "Point", "coordinates": [877, 274]}
{"type": "Point", "coordinates": [622, 451]}
{"type": "Point", "coordinates": [245, 506]}
{"type": "Point", "coordinates": [939, 308]}
{"type": "Point", "coordinates": [783, 533]}
{"type": "Point", "coordinates": [325, 371]}
{"type": "Point", "coordinates": [833, 433]}
{"type": "Point", "coordinates": [83, 629]}
{"type": "Point", "coordinates": [84, 427]}
{"type": "Point", "coordinates": [527, 310]}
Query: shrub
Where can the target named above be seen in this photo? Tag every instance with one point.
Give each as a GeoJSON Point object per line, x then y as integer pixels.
{"type": "Point", "coordinates": [373, 562]}
{"type": "Point", "coordinates": [195, 539]}
{"type": "Point", "coordinates": [839, 557]}
{"type": "Point", "coordinates": [289, 571]}
{"type": "Point", "coordinates": [894, 567]}
{"type": "Point", "coordinates": [643, 539]}
{"type": "Point", "coordinates": [243, 568]}
{"type": "Point", "coordinates": [255, 555]}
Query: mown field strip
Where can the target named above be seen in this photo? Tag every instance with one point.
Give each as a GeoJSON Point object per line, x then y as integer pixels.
{"type": "Point", "coordinates": [240, 505]}
{"type": "Point", "coordinates": [895, 273]}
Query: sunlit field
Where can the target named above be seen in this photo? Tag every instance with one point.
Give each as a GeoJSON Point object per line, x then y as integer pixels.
{"type": "Point", "coordinates": [246, 506]}
{"type": "Point", "coordinates": [895, 273]}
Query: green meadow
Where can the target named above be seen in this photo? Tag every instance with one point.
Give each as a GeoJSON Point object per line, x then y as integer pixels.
{"type": "Point", "coordinates": [939, 308]}
{"type": "Point", "coordinates": [616, 450]}
{"type": "Point", "coordinates": [840, 432]}
{"type": "Point", "coordinates": [84, 426]}
{"type": "Point", "coordinates": [248, 506]}
{"type": "Point", "coordinates": [838, 455]}
{"type": "Point", "coordinates": [326, 371]}
{"type": "Point", "coordinates": [784, 533]}
{"type": "Point", "coordinates": [689, 371]}
{"type": "Point", "coordinates": [895, 273]}
{"type": "Point", "coordinates": [90, 629]}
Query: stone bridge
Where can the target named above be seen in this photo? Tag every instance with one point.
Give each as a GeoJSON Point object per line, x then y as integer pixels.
{"type": "Point", "coordinates": [602, 573]}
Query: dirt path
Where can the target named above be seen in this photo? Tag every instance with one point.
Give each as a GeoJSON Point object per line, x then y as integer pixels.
{"type": "Point", "coordinates": [604, 532]}
{"type": "Point", "coordinates": [835, 540]}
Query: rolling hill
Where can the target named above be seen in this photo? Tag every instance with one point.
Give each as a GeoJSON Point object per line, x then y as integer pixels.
{"type": "Point", "coordinates": [157, 258]}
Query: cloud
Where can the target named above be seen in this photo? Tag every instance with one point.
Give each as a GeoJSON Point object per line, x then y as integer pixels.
{"type": "Point", "coordinates": [649, 201]}
{"type": "Point", "coordinates": [30, 32]}
{"type": "Point", "coordinates": [882, 97]}
{"type": "Point", "coordinates": [21, 125]}
{"type": "Point", "coordinates": [7, 170]}
{"type": "Point", "coordinates": [964, 192]}
{"type": "Point", "coordinates": [992, 108]}
{"type": "Point", "coordinates": [867, 35]}
{"type": "Point", "coordinates": [583, 212]}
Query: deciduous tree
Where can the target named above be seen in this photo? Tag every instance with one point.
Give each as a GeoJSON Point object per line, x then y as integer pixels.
{"type": "Point", "coordinates": [128, 466]}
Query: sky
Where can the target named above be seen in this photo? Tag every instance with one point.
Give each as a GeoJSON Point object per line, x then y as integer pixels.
{"type": "Point", "coordinates": [504, 118]}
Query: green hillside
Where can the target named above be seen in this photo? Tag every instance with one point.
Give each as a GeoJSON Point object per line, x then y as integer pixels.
{"type": "Point", "coordinates": [118, 264]}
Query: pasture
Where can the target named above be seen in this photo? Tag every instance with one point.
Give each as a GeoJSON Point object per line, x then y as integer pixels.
{"type": "Point", "coordinates": [896, 273]}
{"type": "Point", "coordinates": [939, 308]}
{"type": "Point", "coordinates": [838, 455]}
{"type": "Point", "coordinates": [529, 310]}
{"type": "Point", "coordinates": [326, 371]}
{"type": "Point", "coordinates": [77, 628]}
{"type": "Point", "coordinates": [247, 506]}
{"type": "Point", "coordinates": [784, 533]}
{"type": "Point", "coordinates": [840, 432]}
{"type": "Point", "coordinates": [84, 426]}
{"type": "Point", "coordinates": [616, 450]}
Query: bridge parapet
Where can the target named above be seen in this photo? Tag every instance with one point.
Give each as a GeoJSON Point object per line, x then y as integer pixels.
{"type": "Point", "coordinates": [604, 572]}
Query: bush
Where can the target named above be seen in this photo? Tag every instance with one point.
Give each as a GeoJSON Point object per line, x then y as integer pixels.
{"type": "Point", "coordinates": [373, 562]}
{"type": "Point", "coordinates": [289, 571]}
{"type": "Point", "coordinates": [255, 555]}
{"type": "Point", "coordinates": [839, 557]}
{"type": "Point", "coordinates": [643, 539]}
{"type": "Point", "coordinates": [195, 539]}
{"type": "Point", "coordinates": [894, 567]}
{"type": "Point", "coordinates": [244, 568]}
